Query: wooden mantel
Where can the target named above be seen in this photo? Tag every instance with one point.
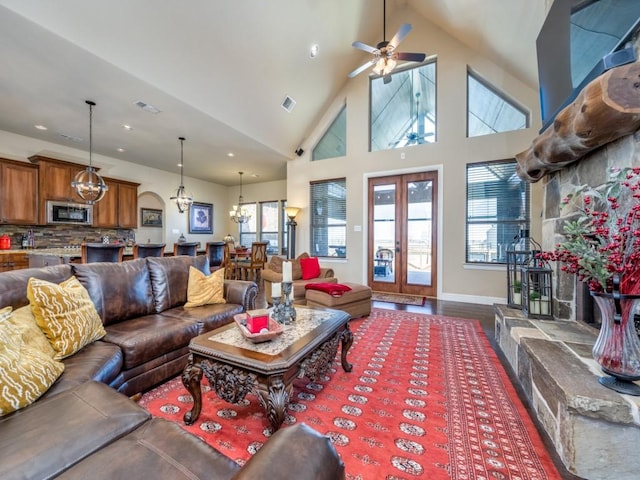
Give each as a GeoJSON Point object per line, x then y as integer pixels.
{"type": "Point", "coordinates": [608, 108]}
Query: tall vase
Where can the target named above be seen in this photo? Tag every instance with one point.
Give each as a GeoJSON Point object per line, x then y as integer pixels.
{"type": "Point", "coordinates": [617, 348]}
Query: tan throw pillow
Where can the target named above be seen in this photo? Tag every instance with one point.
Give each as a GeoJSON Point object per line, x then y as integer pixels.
{"type": "Point", "coordinates": [26, 372]}
{"type": "Point", "coordinates": [66, 315]}
{"type": "Point", "coordinates": [275, 264]}
{"type": "Point", "coordinates": [23, 321]}
{"type": "Point", "coordinates": [203, 289]}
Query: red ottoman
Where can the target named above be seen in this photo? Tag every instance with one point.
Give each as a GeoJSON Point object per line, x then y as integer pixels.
{"type": "Point", "coordinates": [356, 302]}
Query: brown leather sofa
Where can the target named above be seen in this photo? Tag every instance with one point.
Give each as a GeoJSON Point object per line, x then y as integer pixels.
{"type": "Point", "coordinates": [82, 428]}
{"type": "Point", "coordinates": [272, 273]}
{"type": "Point", "coordinates": [140, 303]}
{"type": "Point", "coordinates": [91, 431]}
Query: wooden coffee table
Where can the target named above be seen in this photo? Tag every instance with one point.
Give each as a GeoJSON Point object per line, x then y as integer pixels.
{"type": "Point", "coordinates": [235, 366]}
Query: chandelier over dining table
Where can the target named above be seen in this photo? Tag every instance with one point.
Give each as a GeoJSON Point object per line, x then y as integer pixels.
{"type": "Point", "coordinates": [239, 213]}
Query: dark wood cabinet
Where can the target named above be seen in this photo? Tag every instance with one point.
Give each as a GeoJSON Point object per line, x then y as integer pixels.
{"type": "Point", "coordinates": [119, 206]}
{"type": "Point", "coordinates": [18, 193]}
{"type": "Point", "coordinates": [54, 182]}
{"type": "Point", "coordinates": [13, 261]}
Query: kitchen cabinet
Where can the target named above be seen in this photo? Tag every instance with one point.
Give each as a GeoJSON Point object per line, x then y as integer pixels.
{"type": "Point", "coordinates": [18, 193]}
{"type": "Point", "coordinates": [13, 261]}
{"type": "Point", "coordinates": [54, 182]}
{"type": "Point", "coordinates": [119, 207]}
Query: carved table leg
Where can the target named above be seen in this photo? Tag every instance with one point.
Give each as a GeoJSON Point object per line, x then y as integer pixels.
{"type": "Point", "coordinates": [274, 398]}
{"type": "Point", "coordinates": [191, 378]}
{"type": "Point", "coordinates": [347, 341]}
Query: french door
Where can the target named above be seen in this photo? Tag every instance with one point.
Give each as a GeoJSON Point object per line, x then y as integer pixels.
{"type": "Point", "coordinates": [402, 233]}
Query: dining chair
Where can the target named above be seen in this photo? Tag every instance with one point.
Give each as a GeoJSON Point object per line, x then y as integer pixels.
{"type": "Point", "coordinates": [144, 250]}
{"type": "Point", "coordinates": [251, 268]}
{"type": "Point", "coordinates": [186, 248]}
{"type": "Point", "coordinates": [101, 252]}
{"type": "Point", "coordinates": [215, 252]}
{"type": "Point", "coordinates": [228, 263]}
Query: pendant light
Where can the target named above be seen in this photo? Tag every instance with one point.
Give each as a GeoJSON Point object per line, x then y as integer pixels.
{"type": "Point", "coordinates": [87, 183]}
{"type": "Point", "coordinates": [240, 214]}
{"type": "Point", "coordinates": [182, 198]}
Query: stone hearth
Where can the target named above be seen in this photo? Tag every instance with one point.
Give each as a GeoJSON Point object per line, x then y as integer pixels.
{"type": "Point", "coordinates": [594, 430]}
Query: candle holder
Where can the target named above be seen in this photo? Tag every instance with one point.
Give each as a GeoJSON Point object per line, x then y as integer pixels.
{"type": "Point", "coordinates": [288, 311]}
{"type": "Point", "coordinates": [277, 312]}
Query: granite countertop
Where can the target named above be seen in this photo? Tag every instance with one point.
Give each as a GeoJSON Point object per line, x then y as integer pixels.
{"type": "Point", "coordinates": [71, 252]}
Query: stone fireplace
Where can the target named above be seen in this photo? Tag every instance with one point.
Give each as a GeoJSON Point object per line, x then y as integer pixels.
{"type": "Point", "coordinates": [594, 430]}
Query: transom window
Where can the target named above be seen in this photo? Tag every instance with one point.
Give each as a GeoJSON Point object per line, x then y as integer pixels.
{"type": "Point", "coordinates": [403, 111]}
{"type": "Point", "coordinates": [334, 142]}
{"type": "Point", "coordinates": [489, 110]}
{"type": "Point", "coordinates": [497, 209]}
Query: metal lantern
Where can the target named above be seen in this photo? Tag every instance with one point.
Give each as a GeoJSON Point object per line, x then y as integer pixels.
{"type": "Point", "coordinates": [537, 301]}
{"type": "Point", "coordinates": [520, 253]}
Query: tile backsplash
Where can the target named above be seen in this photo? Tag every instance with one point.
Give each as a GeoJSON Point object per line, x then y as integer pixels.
{"type": "Point", "coordinates": [51, 236]}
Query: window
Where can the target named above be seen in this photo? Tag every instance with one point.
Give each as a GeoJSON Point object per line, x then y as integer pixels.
{"type": "Point", "coordinates": [334, 142]}
{"type": "Point", "coordinates": [269, 226]}
{"type": "Point", "coordinates": [403, 112]}
{"type": "Point", "coordinates": [329, 218]}
{"type": "Point", "coordinates": [284, 228]}
{"type": "Point", "coordinates": [248, 231]}
{"type": "Point", "coordinates": [497, 208]}
{"type": "Point", "coordinates": [490, 111]}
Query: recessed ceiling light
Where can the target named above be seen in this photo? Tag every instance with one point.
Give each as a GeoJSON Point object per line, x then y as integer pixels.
{"type": "Point", "coordinates": [231, 154]}
{"type": "Point", "coordinates": [315, 49]}
{"type": "Point", "coordinates": [41, 127]}
{"type": "Point", "coordinates": [127, 127]}
{"type": "Point", "coordinates": [120, 149]}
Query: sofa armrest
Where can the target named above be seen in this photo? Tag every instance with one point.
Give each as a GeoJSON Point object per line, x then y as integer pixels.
{"type": "Point", "coordinates": [297, 451]}
{"type": "Point", "coordinates": [326, 272]}
{"type": "Point", "coordinates": [241, 292]}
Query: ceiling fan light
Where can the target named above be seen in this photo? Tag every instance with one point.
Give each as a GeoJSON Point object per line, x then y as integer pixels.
{"type": "Point", "coordinates": [390, 65]}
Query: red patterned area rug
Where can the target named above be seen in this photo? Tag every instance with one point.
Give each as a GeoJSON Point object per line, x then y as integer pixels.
{"type": "Point", "coordinates": [427, 398]}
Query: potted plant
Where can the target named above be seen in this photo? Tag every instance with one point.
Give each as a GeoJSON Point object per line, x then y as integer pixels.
{"type": "Point", "coordinates": [534, 302]}
{"type": "Point", "coordinates": [602, 247]}
{"type": "Point", "coordinates": [517, 292]}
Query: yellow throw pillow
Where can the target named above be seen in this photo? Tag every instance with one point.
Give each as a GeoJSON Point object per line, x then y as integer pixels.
{"type": "Point", "coordinates": [66, 315]}
{"type": "Point", "coordinates": [5, 313]}
{"type": "Point", "coordinates": [23, 321]}
{"type": "Point", "coordinates": [203, 289]}
{"type": "Point", "coordinates": [26, 372]}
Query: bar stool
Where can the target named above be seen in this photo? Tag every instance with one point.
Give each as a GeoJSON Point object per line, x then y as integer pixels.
{"type": "Point", "coordinates": [101, 252]}
{"type": "Point", "coordinates": [144, 250]}
{"type": "Point", "coordinates": [215, 252]}
{"type": "Point", "coordinates": [187, 248]}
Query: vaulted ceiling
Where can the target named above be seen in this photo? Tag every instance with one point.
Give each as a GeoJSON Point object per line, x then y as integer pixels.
{"type": "Point", "coordinates": [217, 70]}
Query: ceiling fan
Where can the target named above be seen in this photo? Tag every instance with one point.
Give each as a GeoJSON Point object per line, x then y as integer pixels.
{"type": "Point", "coordinates": [384, 53]}
{"type": "Point", "coordinates": [414, 137]}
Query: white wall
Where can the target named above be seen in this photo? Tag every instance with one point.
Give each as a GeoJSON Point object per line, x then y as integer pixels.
{"type": "Point", "coordinates": [450, 154]}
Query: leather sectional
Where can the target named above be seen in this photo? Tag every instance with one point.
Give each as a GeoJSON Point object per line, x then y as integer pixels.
{"type": "Point", "coordinates": [83, 428]}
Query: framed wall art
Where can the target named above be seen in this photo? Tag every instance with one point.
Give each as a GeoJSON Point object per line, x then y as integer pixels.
{"type": "Point", "coordinates": [150, 217]}
{"type": "Point", "coordinates": [201, 217]}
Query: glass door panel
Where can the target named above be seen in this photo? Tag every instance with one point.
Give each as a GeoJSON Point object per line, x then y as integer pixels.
{"type": "Point", "coordinates": [384, 233]}
{"type": "Point", "coordinates": [419, 206]}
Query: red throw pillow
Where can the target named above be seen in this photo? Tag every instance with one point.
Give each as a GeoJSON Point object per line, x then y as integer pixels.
{"type": "Point", "coordinates": [310, 268]}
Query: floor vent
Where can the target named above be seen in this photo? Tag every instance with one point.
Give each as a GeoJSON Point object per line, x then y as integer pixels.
{"type": "Point", "coordinates": [288, 103]}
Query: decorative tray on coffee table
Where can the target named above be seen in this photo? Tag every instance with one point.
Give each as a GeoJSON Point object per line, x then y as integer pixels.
{"type": "Point", "coordinates": [275, 329]}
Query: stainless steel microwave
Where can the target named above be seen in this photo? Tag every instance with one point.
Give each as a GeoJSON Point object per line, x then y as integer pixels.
{"type": "Point", "coordinates": [70, 213]}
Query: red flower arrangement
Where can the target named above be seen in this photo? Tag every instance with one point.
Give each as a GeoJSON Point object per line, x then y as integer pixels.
{"type": "Point", "coordinates": [603, 239]}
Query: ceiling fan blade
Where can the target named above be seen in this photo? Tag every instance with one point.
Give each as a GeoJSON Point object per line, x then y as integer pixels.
{"type": "Point", "coordinates": [400, 34]}
{"type": "Point", "coordinates": [365, 47]}
{"type": "Point", "coordinates": [410, 57]}
{"type": "Point", "coordinates": [361, 68]}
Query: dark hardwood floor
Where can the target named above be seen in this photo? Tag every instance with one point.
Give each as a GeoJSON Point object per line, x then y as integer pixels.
{"type": "Point", "coordinates": [485, 315]}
